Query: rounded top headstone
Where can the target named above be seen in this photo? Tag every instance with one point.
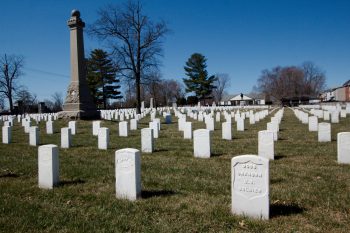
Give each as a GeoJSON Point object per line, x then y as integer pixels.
{"type": "Point", "coordinates": [76, 13]}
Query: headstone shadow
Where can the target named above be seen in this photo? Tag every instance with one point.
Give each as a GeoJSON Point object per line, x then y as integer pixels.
{"type": "Point", "coordinates": [161, 150]}
{"type": "Point", "coordinates": [216, 154]}
{"type": "Point", "coordinates": [145, 194]}
{"type": "Point", "coordinates": [9, 175]}
{"type": "Point", "coordinates": [281, 209]}
{"type": "Point", "coordinates": [71, 182]}
{"type": "Point", "coordinates": [279, 156]}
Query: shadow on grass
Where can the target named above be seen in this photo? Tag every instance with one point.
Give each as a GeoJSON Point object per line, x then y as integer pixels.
{"type": "Point", "coordinates": [161, 150]}
{"type": "Point", "coordinates": [279, 209]}
{"type": "Point", "coordinates": [216, 154]}
{"type": "Point", "coordinates": [156, 193]}
{"type": "Point", "coordinates": [9, 175]}
{"type": "Point", "coordinates": [282, 139]}
{"type": "Point", "coordinates": [278, 157]}
{"type": "Point", "coordinates": [277, 180]}
{"type": "Point", "coordinates": [71, 182]}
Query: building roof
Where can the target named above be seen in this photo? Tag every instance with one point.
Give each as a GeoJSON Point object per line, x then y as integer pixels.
{"type": "Point", "coordinates": [238, 97]}
{"type": "Point", "coordinates": [347, 83]}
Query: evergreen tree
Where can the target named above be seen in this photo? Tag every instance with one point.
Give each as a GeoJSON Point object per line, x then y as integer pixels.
{"type": "Point", "coordinates": [198, 81]}
{"type": "Point", "coordinates": [102, 78]}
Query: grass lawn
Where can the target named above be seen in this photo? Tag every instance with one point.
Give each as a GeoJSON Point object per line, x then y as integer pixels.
{"type": "Point", "coordinates": [309, 191]}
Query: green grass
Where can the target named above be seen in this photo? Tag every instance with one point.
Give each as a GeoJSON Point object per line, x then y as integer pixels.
{"type": "Point", "coordinates": [309, 191]}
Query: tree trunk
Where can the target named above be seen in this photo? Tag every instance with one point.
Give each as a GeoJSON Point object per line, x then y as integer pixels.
{"type": "Point", "coordinates": [138, 93]}
{"type": "Point", "coordinates": [10, 102]}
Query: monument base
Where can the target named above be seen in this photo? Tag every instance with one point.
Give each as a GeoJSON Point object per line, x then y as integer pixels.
{"type": "Point", "coordinates": [84, 115]}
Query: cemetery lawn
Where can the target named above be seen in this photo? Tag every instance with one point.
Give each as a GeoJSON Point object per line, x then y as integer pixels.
{"type": "Point", "coordinates": [309, 191]}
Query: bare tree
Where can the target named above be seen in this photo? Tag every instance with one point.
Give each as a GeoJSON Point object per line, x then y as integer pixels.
{"type": "Point", "coordinates": [315, 79]}
{"type": "Point", "coordinates": [134, 39]}
{"type": "Point", "coordinates": [11, 69]}
{"type": "Point", "coordinates": [57, 100]}
{"type": "Point", "coordinates": [222, 83]}
{"type": "Point", "coordinates": [29, 100]}
{"type": "Point", "coordinates": [289, 82]}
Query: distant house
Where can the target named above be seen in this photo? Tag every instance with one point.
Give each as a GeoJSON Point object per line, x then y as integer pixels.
{"type": "Point", "coordinates": [241, 100]}
{"type": "Point", "coordinates": [341, 94]}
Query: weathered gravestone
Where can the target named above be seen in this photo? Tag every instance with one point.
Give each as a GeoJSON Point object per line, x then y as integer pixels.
{"type": "Point", "coordinates": [123, 129]}
{"type": "Point", "coordinates": [147, 141]}
{"type": "Point", "coordinates": [201, 143]}
{"type": "Point", "coordinates": [128, 174]}
{"type": "Point", "coordinates": [154, 125]}
{"type": "Point", "coordinates": [335, 117]}
{"type": "Point", "coordinates": [168, 118]}
{"type": "Point", "coordinates": [48, 166]}
{"type": "Point", "coordinates": [188, 130]}
{"type": "Point", "coordinates": [49, 127]}
{"type": "Point", "coordinates": [266, 144]}
{"type": "Point", "coordinates": [313, 123]}
{"type": "Point", "coordinates": [6, 134]}
{"type": "Point", "coordinates": [226, 131]}
{"type": "Point", "coordinates": [103, 138]}
{"type": "Point", "coordinates": [324, 132]}
{"type": "Point", "coordinates": [66, 137]}
{"type": "Point", "coordinates": [210, 124]}
{"type": "Point", "coordinates": [250, 186]}
{"type": "Point", "coordinates": [343, 147]}
{"type": "Point", "coordinates": [133, 124]}
{"type": "Point", "coordinates": [73, 127]}
{"type": "Point", "coordinates": [34, 136]}
{"type": "Point", "coordinates": [240, 124]}
{"type": "Point", "coordinates": [95, 127]}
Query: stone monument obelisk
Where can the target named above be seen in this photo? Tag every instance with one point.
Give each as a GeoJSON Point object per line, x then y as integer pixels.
{"type": "Point", "coordinates": [79, 102]}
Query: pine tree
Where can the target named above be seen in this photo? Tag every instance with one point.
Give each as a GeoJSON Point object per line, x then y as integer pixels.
{"type": "Point", "coordinates": [102, 78]}
{"type": "Point", "coordinates": [198, 81]}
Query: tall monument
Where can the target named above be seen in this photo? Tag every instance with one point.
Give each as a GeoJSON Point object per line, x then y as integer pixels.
{"type": "Point", "coordinates": [79, 102]}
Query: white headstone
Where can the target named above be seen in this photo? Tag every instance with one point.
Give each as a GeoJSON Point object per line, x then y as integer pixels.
{"type": "Point", "coordinates": [95, 127]}
{"type": "Point", "coordinates": [103, 138]}
{"type": "Point", "coordinates": [65, 137]}
{"type": "Point", "coordinates": [147, 140]}
{"type": "Point", "coordinates": [34, 136]}
{"type": "Point", "coordinates": [49, 127]}
{"type": "Point", "coordinates": [73, 127]}
{"type": "Point", "coordinates": [227, 131]}
{"type": "Point", "coordinates": [250, 186]}
{"type": "Point", "coordinates": [201, 143]}
{"type": "Point", "coordinates": [210, 124]}
{"type": "Point", "coordinates": [326, 115]}
{"type": "Point", "coordinates": [123, 129]}
{"type": "Point", "coordinates": [133, 124]}
{"type": "Point", "coordinates": [6, 134]}
{"type": "Point", "coordinates": [324, 132]}
{"type": "Point", "coordinates": [188, 130]}
{"type": "Point", "coordinates": [240, 124]}
{"type": "Point", "coordinates": [154, 125]}
{"type": "Point", "coordinates": [343, 147]}
{"type": "Point", "coordinates": [335, 117]}
{"type": "Point", "coordinates": [313, 123]}
{"type": "Point", "coordinates": [266, 144]}
{"type": "Point", "coordinates": [128, 174]}
{"type": "Point", "coordinates": [48, 166]}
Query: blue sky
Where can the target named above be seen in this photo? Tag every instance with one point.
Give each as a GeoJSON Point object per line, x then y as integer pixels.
{"type": "Point", "coordinates": [238, 37]}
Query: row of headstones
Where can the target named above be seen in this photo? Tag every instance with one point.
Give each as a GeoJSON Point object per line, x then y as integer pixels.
{"type": "Point", "coordinates": [186, 127]}
{"type": "Point", "coordinates": [249, 184]}
{"type": "Point", "coordinates": [328, 107]}
{"type": "Point", "coordinates": [324, 135]}
{"type": "Point", "coordinates": [323, 128]}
